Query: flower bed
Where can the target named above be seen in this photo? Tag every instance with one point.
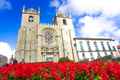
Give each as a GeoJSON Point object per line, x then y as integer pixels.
{"type": "Point", "coordinates": [95, 70]}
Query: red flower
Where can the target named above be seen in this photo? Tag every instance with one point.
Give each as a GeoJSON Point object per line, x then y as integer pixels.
{"type": "Point", "coordinates": [60, 71]}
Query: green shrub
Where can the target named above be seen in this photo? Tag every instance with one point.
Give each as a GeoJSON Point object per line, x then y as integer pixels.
{"type": "Point", "coordinates": [10, 77]}
{"type": "Point", "coordinates": [81, 76]}
{"type": "Point", "coordinates": [64, 59]}
{"type": "Point", "coordinates": [37, 78]}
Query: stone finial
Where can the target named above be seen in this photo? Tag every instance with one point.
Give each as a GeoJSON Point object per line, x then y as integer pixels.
{"type": "Point", "coordinates": [23, 9]}
{"type": "Point", "coordinates": [38, 10]}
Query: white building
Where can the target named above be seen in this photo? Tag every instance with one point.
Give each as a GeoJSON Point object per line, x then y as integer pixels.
{"type": "Point", "coordinates": [93, 48]}
{"type": "Point", "coordinates": [3, 60]}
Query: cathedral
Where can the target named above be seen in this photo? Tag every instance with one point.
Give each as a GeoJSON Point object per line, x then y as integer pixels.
{"type": "Point", "coordinates": [41, 42]}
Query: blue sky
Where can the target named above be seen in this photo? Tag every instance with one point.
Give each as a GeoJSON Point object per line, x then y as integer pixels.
{"type": "Point", "coordinates": [10, 18]}
{"type": "Point", "coordinates": [91, 18]}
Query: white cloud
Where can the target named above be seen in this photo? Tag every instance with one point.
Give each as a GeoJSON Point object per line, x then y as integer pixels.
{"type": "Point", "coordinates": [98, 26]}
{"type": "Point", "coordinates": [6, 50]}
{"type": "Point", "coordinates": [5, 4]}
{"type": "Point", "coordinates": [107, 7]}
{"type": "Point", "coordinates": [55, 3]}
{"type": "Point", "coordinates": [116, 34]}
{"type": "Point", "coordinates": [102, 25]}
{"type": "Point", "coordinates": [63, 9]}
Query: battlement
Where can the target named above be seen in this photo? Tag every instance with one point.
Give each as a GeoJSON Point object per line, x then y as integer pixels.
{"type": "Point", "coordinates": [31, 11]}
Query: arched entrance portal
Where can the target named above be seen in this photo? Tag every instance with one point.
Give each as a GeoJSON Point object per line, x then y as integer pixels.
{"type": "Point", "coordinates": [50, 54]}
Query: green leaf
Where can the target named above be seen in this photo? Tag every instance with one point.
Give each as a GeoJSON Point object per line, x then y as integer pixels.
{"type": "Point", "coordinates": [37, 78]}
{"type": "Point", "coordinates": [97, 77]}
{"type": "Point", "coordinates": [10, 77]}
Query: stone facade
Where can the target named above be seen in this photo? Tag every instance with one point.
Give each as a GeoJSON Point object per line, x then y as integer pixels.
{"type": "Point", "coordinates": [39, 42]}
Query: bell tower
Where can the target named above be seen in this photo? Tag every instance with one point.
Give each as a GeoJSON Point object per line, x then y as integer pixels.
{"type": "Point", "coordinates": [64, 26]}
{"type": "Point", "coordinates": [27, 36]}
{"type": "Point", "coordinates": [30, 16]}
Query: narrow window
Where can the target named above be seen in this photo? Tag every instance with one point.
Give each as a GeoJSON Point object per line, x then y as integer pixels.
{"type": "Point", "coordinates": [64, 22]}
{"type": "Point", "coordinates": [81, 46]}
{"type": "Point", "coordinates": [97, 49]}
{"type": "Point", "coordinates": [30, 18]}
{"type": "Point", "coordinates": [103, 46]}
{"type": "Point", "coordinates": [109, 46]}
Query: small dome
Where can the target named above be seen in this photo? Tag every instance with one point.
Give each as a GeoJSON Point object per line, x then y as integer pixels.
{"type": "Point", "coordinates": [60, 14]}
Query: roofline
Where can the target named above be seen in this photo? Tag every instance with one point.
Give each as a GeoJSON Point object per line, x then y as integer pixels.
{"type": "Point", "coordinates": [30, 13]}
{"type": "Point", "coordinates": [81, 38]}
{"type": "Point", "coordinates": [3, 56]}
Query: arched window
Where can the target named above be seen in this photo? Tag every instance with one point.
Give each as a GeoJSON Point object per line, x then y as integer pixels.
{"type": "Point", "coordinates": [64, 22]}
{"type": "Point", "coordinates": [31, 19]}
